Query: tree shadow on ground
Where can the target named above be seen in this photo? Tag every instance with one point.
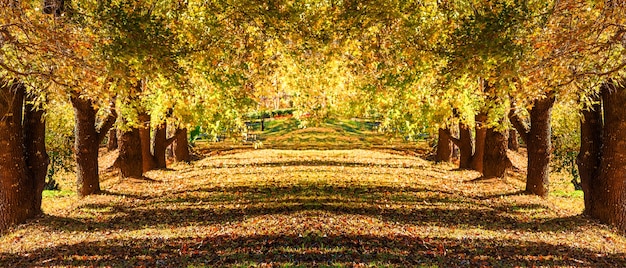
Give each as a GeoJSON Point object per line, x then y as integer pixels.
{"type": "Point", "coordinates": [205, 207]}
{"type": "Point", "coordinates": [311, 250]}
{"type": "Point", "coordinates": [218, 205]}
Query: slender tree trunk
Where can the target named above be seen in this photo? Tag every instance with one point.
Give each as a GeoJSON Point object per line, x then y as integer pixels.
{"type": "Point", "coordinates": [590, 155]}
{"type": "Point", "coordinates": [37, 159]}
{"type": "Point", "coordinates": [513, 140]}
{"type": "Point", "coordinates": [86, 146]}
{"type": "Point", "coordinates": [479, 147]}
{"type": "Point", "coordinates": [160, 145]}
{"type": "Point", "coordinates": [130, 160]}
{"type": "Point", "coordinates": [112, 141]}
{"type": "Point", "coordinates": [181, 147]}
{"type": "Point", "coordinates": [495, 159]}
{"type": "Point", "coordinates": [539, 147]}
{"type": "Point", "coordinates": [148, 161]}
{"type": "Point", "coordinates": [15, 186]}
{"type": "Point", "coordinates": [612, 177]}
{"type": "Point", "coordinates": [466, 146]}
{"type": "Point", "coordinates": [444, 146]}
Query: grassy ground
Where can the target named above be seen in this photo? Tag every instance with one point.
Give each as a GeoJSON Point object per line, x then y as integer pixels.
{"type": "Point", "coordinates": [331, 134]}
{"type": "Point", "coordinates": [282, 208]}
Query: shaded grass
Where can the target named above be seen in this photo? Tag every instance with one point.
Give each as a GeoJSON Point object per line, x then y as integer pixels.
{"type": "Point", "coordinates": [313, 208]}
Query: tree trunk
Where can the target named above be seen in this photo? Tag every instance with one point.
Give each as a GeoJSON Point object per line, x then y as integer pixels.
{"type": "Point", "coordinates": [513, 140]}
{"type": "Point", "coordinates": [455, 143]}
{"type": "Point", "coordinates": [539, 147]}
{"type": "Point", "coordinates": [589, 156]}
{"type": "Point", "coordinates": [130, 160]}
{"type": "Point", "coordinates": [444, 146]}
{"type": "Point", "coordinates": [466, 146]}
{"type": "Point", "coordinates": [181, 147]}
{"type": "Point", "coordinates": [148, 161]}
{"type": "Point", "coordinates": [36, 157]}
{"type": "Point", "coordinates": [479, 147]}
{"type": "Point", "coordinates": [160, 145]}
{"type": "Point", "coordinates": [495, 160]}
{"type": "Point", "coordinates": [612, 176]}
{"type": "Point", "coordinates": [86, 147]}
{"type": "Point", "coordinates": [15, 186]}
{"type": "Point", "coordinates": [112, 141]}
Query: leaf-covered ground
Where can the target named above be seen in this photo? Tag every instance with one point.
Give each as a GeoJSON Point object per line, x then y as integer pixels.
{"type": "Point", "coordinates": [333, 208]}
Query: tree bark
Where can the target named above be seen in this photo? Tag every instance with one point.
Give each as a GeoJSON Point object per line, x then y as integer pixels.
{"type": "Point", "coordinates": [612, 177]}
{"type": "Point", "coordinates": [513, 140]}
{"type": "Point", "coordinates": [479, 147]}
{"type": "Point", "coordinates": [130, 160]}
{"type": "Point", "coordinates": [495, 159]}
{"type": "Point", "coordinates": [466, 146]}
{"type": "Point", "coordinates": [444, 146]}
{"type": "Point", "coordinates": [538, 141]}
{"type": "Point", "coordinates": [36, 157]}
{"type": "Point", "coordinates": [181, 146]}
{"type": "Point", "coordinates": [539, 147]}
{"type": "Point", "coordinates": [148, 161]}
{"type": "Point", "coordinates": [86, 147]}
{"type": "Point", "coordinates": [160, 145]}
{"type": "Point", "coordinates": [15, 186]}
{"type": "Point", "coordinates": [112, 141]}
{"type": "Point", "coordinates": [590, 154]}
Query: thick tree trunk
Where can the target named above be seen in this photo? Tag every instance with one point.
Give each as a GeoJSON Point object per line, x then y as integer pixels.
{"type": "Point", "coordinates": [181, 146]}
{"type": "Point", "coordinates": [539, 147]}
{"type": "Point", "coordinates": [112, 141]}
{"type": "Point", "coordinates": [86, 147]}
{"type": "Point", "coordinates": [148, 161]}
{"type": "Point", "coordinates": [86, 144]}
{"type": "Point", "coordinates": [495, 159]}
{"type": "Point", "coordinates": [444, 146]}
{"type": "Point", "coordinates": [513, 140]}
{"type": "Point", "coordinates": [130, 159]}
{"type": "Point", "coordinates": [37, 159]}
{"type": "Point", "coordinates": [466, 146]}
{"type": "Point", "coordinates": [479, 147]}
{"type": "Point", "coordinates": [612, 183]}
{"type": "Point", "coordinates": [160, 145]}
{"type": "Point", "coordinates": [589, 157]}
{"type": "Point", "coordinates": [15, 187]}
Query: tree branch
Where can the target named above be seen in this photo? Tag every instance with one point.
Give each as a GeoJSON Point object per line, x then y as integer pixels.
{"type": "Point", "coordinates": [454, 140]}
{"type": "Point", "coordinates": [522, 129]}
{"type": "Point", "coordinates": [171, 140]}
{"type": "Point", "coordinates": [107, 124]}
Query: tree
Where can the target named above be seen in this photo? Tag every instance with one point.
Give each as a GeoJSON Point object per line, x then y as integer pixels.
{"type": "Point", "coordinates": [23, 161]}
{"type": "Point", "coordinates": [601, 158]}
{"type": "Point", "coordinates": [87, 144]}
{"type": "Point", "coordinates": [444, 146]}
{"type": "Point", "coordinates": [538, 142]}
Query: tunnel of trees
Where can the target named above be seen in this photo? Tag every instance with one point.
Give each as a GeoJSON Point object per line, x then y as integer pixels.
{"type": "Point", "coordinates": [470, 72]}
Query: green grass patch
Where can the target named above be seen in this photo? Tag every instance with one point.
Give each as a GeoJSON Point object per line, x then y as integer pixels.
{"type": "Point", "coordinates": [57, 193]}
{"type": "Point", "coordinates": [570, 194]}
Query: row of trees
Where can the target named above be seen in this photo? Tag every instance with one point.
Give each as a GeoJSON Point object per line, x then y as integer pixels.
{"type": "Point", "coordinates": [476, 68]}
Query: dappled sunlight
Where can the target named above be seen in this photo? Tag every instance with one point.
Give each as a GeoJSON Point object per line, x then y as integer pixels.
{"type": "Point", "coordinates": [312, 207]}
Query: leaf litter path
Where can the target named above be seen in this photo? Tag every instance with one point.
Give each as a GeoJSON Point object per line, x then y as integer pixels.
{"type": "Point", "coordinates": [311, 208]}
